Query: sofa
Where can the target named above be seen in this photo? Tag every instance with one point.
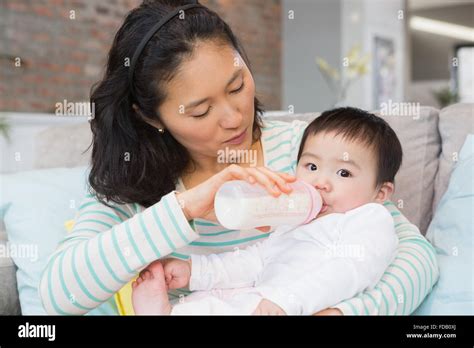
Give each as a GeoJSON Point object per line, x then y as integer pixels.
{"type": "Point", "coordinates": [431, 140]}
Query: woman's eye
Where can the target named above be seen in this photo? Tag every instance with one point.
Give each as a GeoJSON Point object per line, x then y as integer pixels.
{"type": "Point", "coordinates": [238, 89]}
{"type": "Point", "coordinates": [344, 173]}
{"type": "Point", "coordinates": [204, 114]}
{"type": "Point", "coordinates": [312, 167]}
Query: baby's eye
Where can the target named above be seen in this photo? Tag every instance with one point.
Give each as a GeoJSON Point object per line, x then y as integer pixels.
{"type": "Point", "coordinates": [312, 167]}
{"type": "Point", "coordinates": [344, 173]}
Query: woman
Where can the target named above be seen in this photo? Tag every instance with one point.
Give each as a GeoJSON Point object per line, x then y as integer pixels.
{"type": "Point", "coordinates": [175, 97]}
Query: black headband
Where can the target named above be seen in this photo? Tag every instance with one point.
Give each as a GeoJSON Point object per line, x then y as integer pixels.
{"type": "Point", "coordinates": [149, 35]}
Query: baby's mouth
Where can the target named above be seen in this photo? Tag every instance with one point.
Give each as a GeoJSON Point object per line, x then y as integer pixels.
{"type": "Point", "coordinates": [324, 208]}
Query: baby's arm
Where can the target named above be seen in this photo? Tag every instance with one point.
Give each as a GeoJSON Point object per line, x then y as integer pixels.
{"type": "Point", "coordinates": [235, 269]}
{"type": "Point", "coordinates": [367, 246]}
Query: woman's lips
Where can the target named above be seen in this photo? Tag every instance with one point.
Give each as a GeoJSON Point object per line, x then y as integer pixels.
{"type": "Point", "coordinates": [238, 139]}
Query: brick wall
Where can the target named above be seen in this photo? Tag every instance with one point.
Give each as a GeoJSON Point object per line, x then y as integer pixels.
{"type": "Point", "coordinates": [47, 56]}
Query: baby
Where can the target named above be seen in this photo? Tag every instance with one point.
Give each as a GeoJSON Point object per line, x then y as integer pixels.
{"type": "Point", "coordinates": [351, 157]}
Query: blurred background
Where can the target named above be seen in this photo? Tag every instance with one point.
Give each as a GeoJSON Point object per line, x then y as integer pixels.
{"type": "Point", "coordinates": [306, 55]}
{"type": "Point", "coordinates": [48, 55]}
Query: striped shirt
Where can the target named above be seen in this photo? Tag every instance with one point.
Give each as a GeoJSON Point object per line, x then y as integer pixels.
{"type": "Point", "coordinates": [108, 246]}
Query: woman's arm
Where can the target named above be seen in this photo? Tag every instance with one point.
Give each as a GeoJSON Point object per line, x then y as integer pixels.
{"type": "Point", "coordinates": [106, 249]}
{"type": "Point", "coordinates": [406, 282]}
{"type": "Point", "coordinates": [108, 246]}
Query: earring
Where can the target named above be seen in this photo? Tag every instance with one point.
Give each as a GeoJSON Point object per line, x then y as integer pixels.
{"type": "Point", "coordinates": [161, 130]}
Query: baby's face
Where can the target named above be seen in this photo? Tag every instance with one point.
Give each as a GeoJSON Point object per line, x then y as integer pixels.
{"type": "Point", "coordinates": [343, 172]}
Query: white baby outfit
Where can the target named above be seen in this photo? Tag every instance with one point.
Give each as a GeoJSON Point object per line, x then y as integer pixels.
{"type": "Point", "coordinates": [302, 269]}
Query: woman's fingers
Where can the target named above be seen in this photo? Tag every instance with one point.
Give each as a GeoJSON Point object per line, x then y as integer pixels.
{"type": "Point", "coordinates": [266, 180]}
{"type": "Point", "coordinates": [281, 180]}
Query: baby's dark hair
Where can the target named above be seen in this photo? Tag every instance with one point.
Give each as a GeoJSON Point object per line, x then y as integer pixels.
{"type": "Point", "coordinates": [361, 126]}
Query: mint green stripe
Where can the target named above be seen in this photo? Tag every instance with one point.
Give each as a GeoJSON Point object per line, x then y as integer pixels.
{"type": "Point", "coordinates": [50, 286]}
{"type": "Point", "coordinates": [353, 309]}
{"type": "Point", "coordinates": [78, 278]}
{"type": "Point", "coordinates": [275, 126]}
{"type": "Point", "coordinates": [173, 220]}
{"type": "Point", "coordinates": [121, 211]}
{"type": "Point", "coordinates": [218, 233]}
{"type": "Point", "coordinates": [92, 271]}
{"type": "Point", "coordinates": [395, 213]}
{"type": "Point", "coordinates": [134, 245]}
{"type": "Point", "coordinates": [404, 223]}
{"type": "Point", "coordinates": [162, 229]}
{"type": "Point", "coordinates": [88, 204]}
{"type": "Point", "coordinates": [378, 287]}
{"type": "Point", "coordinates": [106, 263]}
{"type": "Point", "coordinates": [392, 291]}
{"type": "Point", "coordinates": [94, 221]}
{"type": "Point", "coordinates": [403, 289]}
{"type": "Point", "coordinates": [75, 239]}
{"type": "Point", "coordinates": [148, 237]}
{"type": "Point", "coordinates": [419, 281]}
{"type": "Point", "coordinates": [231, 242]}
{"type": "Point", "coordinates": [424, 245]}
{"type": "Point", "coordinates": [112, 216]}
{"type": "Point", "coordinates": [119, 253]}
{"type": "Point", "coordinates": [359, 296]}
{"type": "Point", "coordinates": [428, 247]}
{"type": "Point", "coordinates": [279, 158]}
{"type": "Point", "coordinates": [85, 205]}
{"type": "Point", "coordinates": [278, 134]}
{"type": "Point", "coordinates": [202, 223]}
{"type": "Point", "coordinates": [412, 287]}
{"type": "Point", "coordinates": [64, 287]}
{"type": "Point", "coordinates": [84, 230]}
{"type": "Point", "coordinates": [280, 144]}
{"type": "Point", "coordinates": [291, 168]}
{"type": "Point", "coordinates": [178, 255]}
{"type": "Point", "coordinates": [422, 265]}
{"type": "Point", "coordinates": [372, 299]}
{"type": "Point", "coordinates": [287, 169]}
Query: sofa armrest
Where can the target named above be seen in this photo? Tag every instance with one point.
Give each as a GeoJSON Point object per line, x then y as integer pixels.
{"type": "Point", "coordinates": [9, 301]}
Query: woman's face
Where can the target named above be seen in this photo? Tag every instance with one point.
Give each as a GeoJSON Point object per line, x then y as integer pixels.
{"type": "Point", "coordinates": [210, 102]}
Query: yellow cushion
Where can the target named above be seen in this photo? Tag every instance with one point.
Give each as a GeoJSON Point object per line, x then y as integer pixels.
{"type": "Point", "coordinates": [123, 298]}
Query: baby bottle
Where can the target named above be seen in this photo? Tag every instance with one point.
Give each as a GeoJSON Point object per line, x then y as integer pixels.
{"type": "Point", "coordinates": [240, 205]}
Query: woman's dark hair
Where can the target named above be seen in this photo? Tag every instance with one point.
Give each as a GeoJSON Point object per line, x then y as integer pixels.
{"type": "Point", "coordinates": [361, 126]}
{"type": "Point", "coordinates": [131, 161]}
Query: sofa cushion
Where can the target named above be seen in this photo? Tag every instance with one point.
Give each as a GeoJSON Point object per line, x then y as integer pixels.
{"type": "Point", "coordinates": [455, 123]}
{"type": "Point", "coordinates": [415, 181]}
{"type": "Point", "coordinates": [451, 234]}
{"type": "Point", "coordinates": [9, 303]}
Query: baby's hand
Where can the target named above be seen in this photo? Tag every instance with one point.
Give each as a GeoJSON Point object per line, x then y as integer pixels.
{"type": "Point", "coordinates": [267, 307]}
{"type": "Point", "coordinates": [177, 273]}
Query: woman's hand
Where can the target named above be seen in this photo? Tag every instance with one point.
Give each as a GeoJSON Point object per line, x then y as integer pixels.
{"type": "Point", "coordinates": [198, 202]}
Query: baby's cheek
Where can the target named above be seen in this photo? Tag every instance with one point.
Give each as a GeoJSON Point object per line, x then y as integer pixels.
{"type": "Point", "coordinates": [353, 198]}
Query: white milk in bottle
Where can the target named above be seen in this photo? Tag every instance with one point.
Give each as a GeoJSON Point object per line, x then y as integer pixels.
{"type": "Point", "coordinates": [240, 205]}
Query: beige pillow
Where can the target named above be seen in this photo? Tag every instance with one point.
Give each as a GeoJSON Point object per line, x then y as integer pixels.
{"type": "Point", "coordinates": [455, 123]}
{"type": "Point", "coordinates": [414, 183]}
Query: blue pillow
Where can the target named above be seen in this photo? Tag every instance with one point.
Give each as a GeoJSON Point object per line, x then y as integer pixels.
{"type": "Point", "coordinates": [451, 232]}
{"type": "Point", "coordinates": [39, 202]}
